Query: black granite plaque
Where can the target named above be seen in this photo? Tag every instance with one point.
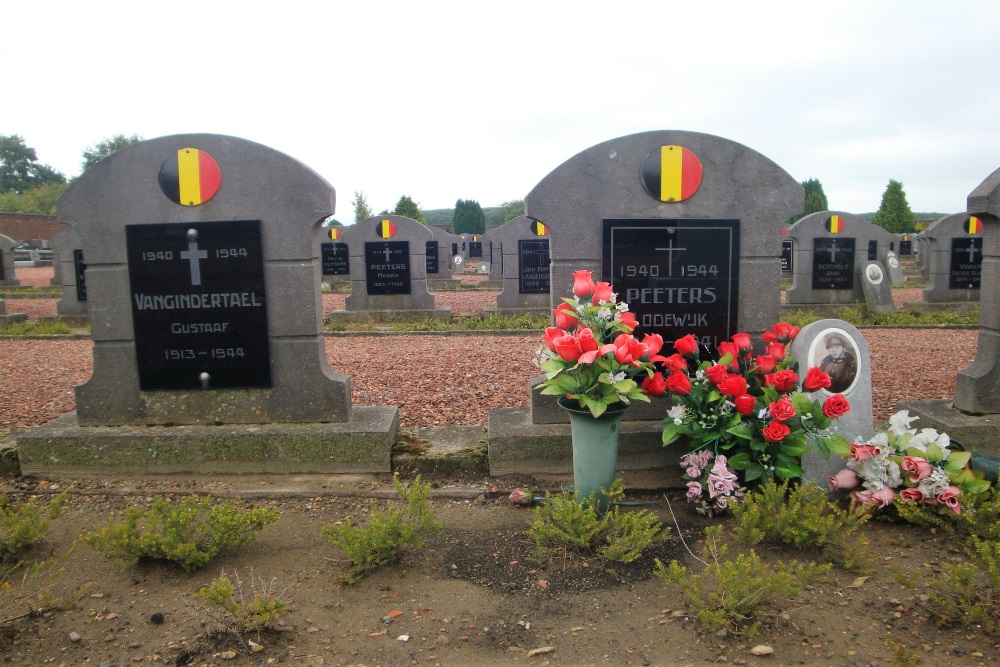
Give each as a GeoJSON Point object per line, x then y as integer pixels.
{"type": "Point", "coordinates": [387, 267]}
{"type": "Point", "coordinates": [198, 305]}
{"type": "Point", "coordinates": [873, 250]}
{"type": "Point", "coordinates": [966, 263]}
{"type": "Point", "coordinates": [787, 260]}
{"type": "Point", "coordinates": [432, 257]}
{"type": "Point", "coordinates": [833, 263]}
{"type": "Point", "coordinates": [336, 259]}
{"type": "Point", "coordinates": [533, 266]}
{"type": "Point", "coordinates": [454, 249]}
{"type": "Point", "coordinates": [79, 268]}
{"type": "Point", "coordinates": [1, 265]}
{"type": "Point", "coordinates": [475, 249]}
{"type": "Point", "coordinates": [678, 276]}
{"type": "Point", "coordinates": [905, 247]}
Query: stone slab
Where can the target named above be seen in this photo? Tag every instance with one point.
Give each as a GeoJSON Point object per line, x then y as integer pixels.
{"type": "Point", "coordinates": [519, 447]}
{"type": "Point", "coordinates": [356, 316]}
{"type": "Point", "coordinates": [980, 433]}
{"type": "Point", "coordinates": [362, 444]}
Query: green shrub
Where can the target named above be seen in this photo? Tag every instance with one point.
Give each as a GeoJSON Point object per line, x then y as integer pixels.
{"type": "Point", "coordinates": [189, 534]}
{"type": "Point", "coordinates": [733, 595]}
{"type": "Point", "coordinates": [388, 532]}
{"type": "Point", "coordinates": [36, 328]}
{"type": "Point", "coordinates": [22, 526]}
{"type": "Point", "coordinates": [969, 593]}
{"type": "Point", "coordinates": [802, 517]}
{"type": "Point", "coordinates": [238, 608]}
{"type": "Point", "coordinates": [615, 535]}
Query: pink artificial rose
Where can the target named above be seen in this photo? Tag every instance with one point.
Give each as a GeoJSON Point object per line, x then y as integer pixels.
{"type": "Point", "coordinates": [687, 346]}
{"type": "Point", "coordinates": [745, 404]}
{"type": "Point", "coordinates": [918, 467]}
{"type": "Point", "coordinates": [742, 341]}
{"type": "Point", "coordinates": [566, 318]}
{"type": "Point", "coordinates": [693, 472]}
{"type": "Point", "coordinates": [863, 497]}
{"type": "Point", "coordinates": [949, 497]}
{"type": "Point", "coordinates": [568, 347]}
{"type": "Point", "coordinates": [602, 292]}
{"type": "Point", "coordinates": [583, 283]}
{"type": "Point", "coordinates": [654, 385]}
{"type": "Point", "coordinates": [627, 350]}
{"type": "Point", "coordinates": [653, 343]}
{"type": "Point", "coordinates": [694, 491]}
{"type": "Point", "coordinates": [911, 494]}
{"type": "Point", "coordinates": [884, 496]}
{"type": "Point", "coordinates": [718, 486]}
{"type": "Point", "coordinates": [861, 452]}
{"type": "Point", "coordinates": [587, 341]}
{"type": "Point", "coordinates": [845, 480]}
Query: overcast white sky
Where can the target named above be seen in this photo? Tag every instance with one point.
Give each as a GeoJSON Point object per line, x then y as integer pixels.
{"type": "Point", "coordinates": [449, 100]}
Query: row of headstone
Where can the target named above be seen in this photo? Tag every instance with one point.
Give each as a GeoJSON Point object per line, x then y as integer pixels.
{"type": "Point", "coordinates": [520, 249]}
{"type": "Point", "coordinates": [70, 275]}
{"type": "Point", "coordinates": [953, 258]}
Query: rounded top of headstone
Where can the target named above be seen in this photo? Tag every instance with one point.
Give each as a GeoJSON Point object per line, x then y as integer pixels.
{"type": "Point", "coordinates": [835, 223]}
{"type": "Point", "coordinates": [388, 228]}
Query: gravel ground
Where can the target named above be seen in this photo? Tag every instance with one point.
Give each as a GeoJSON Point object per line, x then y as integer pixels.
{"type": "Point", "coordinates": [450, 380]}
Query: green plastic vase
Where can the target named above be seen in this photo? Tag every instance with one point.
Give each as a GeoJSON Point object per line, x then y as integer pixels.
{"type": "Point", "coordinates": [595, 448]}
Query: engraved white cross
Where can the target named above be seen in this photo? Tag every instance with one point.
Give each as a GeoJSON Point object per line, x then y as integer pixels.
{"type": "Point", "coordinates": [193, 254]}
{"type": "Point", "coordinates": [670, 256]}
{"type": "Point", "coordinates": [388, 254]}
{"type": "Point", "coordinates": [833, 251]}
{"type": "Point", "coordinates": [973, 251]}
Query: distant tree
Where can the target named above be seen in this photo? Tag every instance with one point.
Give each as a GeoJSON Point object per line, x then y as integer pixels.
{"type": "Point", "coordinates": [409, 208]}
{"type": "Point", "coordinates": [507, 211]}
{"type": "Point", "coordinates": [815, 197]}
{"type": "Point", "coordinates": [19, 167]}
{"type": "Point", "coordinates": [894, 213]}
{"type": "Point", "coordinates": [362, 211]}
{"type": "Point", "coordinates": [469, 217]}
{"type": "Point", "coordinates": [331, 221]}
{"type": "Point", "coordinates": [102, 149]}
{"type": "Point", "coordinates": [41, 199]}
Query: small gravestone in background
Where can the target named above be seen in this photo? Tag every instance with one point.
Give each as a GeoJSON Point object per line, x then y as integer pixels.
{"type": "Point", "coordinates": [388, 272]}
{"type": "Point", "coordinates": [831, 249]}
{"type": "Point", "coordinates": [906, 245]}
{"type": "Point", "coordinates": [521, 248]}
{"type": "Point", "coordinates": [67, 257]}
{"type": "Point", "coordinates": [875, 283]}
{"type": "Point", "coordinates": [203, 291]}
{"type": "Point", "coordinates": [440, 259]}
{"type": "Point", "coordinates": [7, 277]}
{"type": "Point", "coordinates": [954, 259]}
{"type": "Point", "coordinates": [894, 270]}
{"type": "Point", "coordinates": [334, 258]}
{"type": "Point", "coordinates": [787, 258]}
{"type": "Point", "coordinates": [839, 349]}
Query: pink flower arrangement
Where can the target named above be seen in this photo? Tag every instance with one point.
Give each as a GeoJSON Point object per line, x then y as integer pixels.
{"type": "Point", "coordinates": [712, 488]}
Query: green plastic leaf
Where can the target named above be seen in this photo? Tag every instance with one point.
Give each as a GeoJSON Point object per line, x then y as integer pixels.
{"type": "Point", "coordinates": [838, 444]}
{"type": "Point", "coordinates": [739, 461]}
{"type": "Point", "coordinates": [670, 433]}
{"type": "Point", "coordinates": [794, 449]}
{"type": "Point", "coordinates": [934, 453]}
{"type": "Point", "coordinates": [743, 431]}
{"type": "Point", "coordinates": [802, 403]}
{"type": "Point", "coordinates": [785, 469]}
{"type": "Point", "coordinates": [958, 460]}
{"type": "Point", "coordinates": [552, 390]}
{"type": "Point", "coordinates": [753, 472]}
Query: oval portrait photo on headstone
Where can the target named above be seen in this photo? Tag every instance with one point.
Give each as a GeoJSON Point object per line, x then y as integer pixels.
{"type": "Point", "coordinates": [835, 353]}
{"type": "Point", "coordinates": [874, 274]}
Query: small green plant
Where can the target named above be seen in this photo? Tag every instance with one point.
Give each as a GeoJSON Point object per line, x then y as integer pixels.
{"type": "Point", "coordinates": [982, 517]}
{"type": "Point", "coordinates": [238, 608]}
{"type": "Point", "coordinates": [22, 526]}
{"type": "Point", "coordinates": [388, 533]}
{"type": "Point", "coordinates": [969, 592]}
{"type": "Point", "coordinates": [900, 656]}
{"type": "Point", "coordinates": [36, 328]}
{"type": "Point", "coordinates": [27, 589]}
{"type": "Point", "coordinates": [802, 517]}
{"type": "Point", "coordinates": [579, 524]}
{"type": "Point", "coordinates": [189, 534]}
{"type": "Point", "coordinates": [733, 594]}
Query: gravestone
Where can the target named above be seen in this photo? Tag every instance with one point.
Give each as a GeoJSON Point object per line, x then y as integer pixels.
{"type": "Point", "coordinates": [923, 253]}
{"type": "Point", "coordinates": [906, 245]}
{"type": "Point", "coordinates": [522, 248]}
{"type": "Point", "coordinates": [7, 277]}
{"type": "Point", "coordinates": [640, 212]}
{"type": "Point", "coordinates": [203, 292]}
{"type": "Point", "coordinates": [440, 259]}
{"type": "Point", "coordinates": [831, 249]}
{"type": "Point", "coordinates": [839, 349]}
{"type": "Point", "coordinates": [67, 257]}
{"type": "Point", "coordinates": [895, 271]}
{"type": "Point", "coordinates": [787, 258]}
{"type": "Point", "coordinates": [389, 272]}
{"type": "Point", "coordinates": [6, 319]}
{"type": "Point", "coordinates": [334, 257]}
{"type": "Point", "coordinates": [875, 283]}
{"type": "Point", "coordinates": [954, 259]}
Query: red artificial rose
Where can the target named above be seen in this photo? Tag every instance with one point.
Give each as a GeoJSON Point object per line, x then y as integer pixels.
{"type": "Point", "coordinates": [765, 363]}
{"type": "Point", "coordinates": [583, 283]}
{"type": "Point", "coordinates": [785, 332]}
{"type": "Point", "coordinates": [655, 385]}
{"type": "Point", "coordinates": [782, 380]}
{"type": "Point", "coordinates": [733, 385]}
{"type": "Point", "coordinates": [551, 333]}
{"type": "Point", "coordinates": [687, 346]}
{"type": "Point", "coordinates": [568, 347]}
{"type": "Point", "coordinates": [628, 319]}
{"type": "Point", "coordinates": [602, 292]}
{"type": "Point", "coordinates": [675, 362]}
{"type": "Point", "coordinates": [627, 350]}
{"type": "Point", "coordinates": [727, 347]}
{"type": "Point", "coordinates": [775, 431]}
{"type": "Point", "coordinates": [566, 318]}
{"type": "Point", "coordinates": [816, 380]}
{"type": "Point", "coordinates": [742, 341]}
{"type": "Point", "coordinates": [776, 350]}
{"type": "Point", "coordinates": [716, 374]}
{"type": "Point", "coordinates": [782, 410]}
{"type": "Point", "coordinates": [745, 404]}
{"type": "Point", "coordinates": [653, 343]}
{"type": "Point", "coordinates": [679, 383]}
{"type": "Point", "coordinates": [836, 406]}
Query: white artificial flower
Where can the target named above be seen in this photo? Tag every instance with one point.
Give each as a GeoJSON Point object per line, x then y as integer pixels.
{"type": "Point", "coordinates": [762, 413]}
{"type": "Point", "coordinates": [618, 377]}
{"type": "Point", "coordinates": [604, 313]}
{"type": "Point", "coordinates": [881, 440]}
{"type": "Point", "coordinates": [934, 484]}
{"type": "Point", "coordinates": [699, 375]}
{"type": "Point", "coordinates": [678, 421]}
{"type": "Point", "coordinates": [900, 422]}
{"type": "Point", "coordinates": [944, 443]}
{"type": "Point", "coordinates": [676, 412]}
{"type": "Point", "coordinates": [622, 307]}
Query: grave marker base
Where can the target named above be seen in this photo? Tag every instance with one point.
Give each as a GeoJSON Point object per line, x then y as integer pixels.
{"type": "Point", "coordinates": [978, 433]}
{"type": "Point", "coordinates": [363, 444]}
{"type": "Point", "coordinates": [355, 316]}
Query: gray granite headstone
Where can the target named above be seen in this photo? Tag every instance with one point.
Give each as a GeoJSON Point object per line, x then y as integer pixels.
{"type": "Point", "coordinates": [875, 283]}
{"type": "Point", "coordinates": [7, 277]}
{"type": "Point", "coordinates": [335, 257]}
{"type": "Point", "coordinates": [849, 366]}
{"type": "Point", "coordinates": [67, 257]}
{"type": "Point", "coordinates": [954, 259]}
{"type": "Point", "coordinates": [440, 263]}
{"type": "Point", "coordinates": [894, 269]}
{"type": "Point", "coordinates": [831, 248]}
{"type": "Point", "coordinates": [521, 249]}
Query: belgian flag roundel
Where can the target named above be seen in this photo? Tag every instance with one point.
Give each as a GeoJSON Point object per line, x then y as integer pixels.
{"type": "Point", "coordinates": [834, 224]}
{"type": "Point", "coordinates": [334, 233]}
{"type": "Point", "coordinates": [539, 229]}
{"type": "Point", "coordinates": [973, 225]}
{"type": "Point", "coordinates": [671, 174]}
{"type": "Point", "coordinates": [385, 229]}
{"type": "Point", "coordinates": [190, 177]}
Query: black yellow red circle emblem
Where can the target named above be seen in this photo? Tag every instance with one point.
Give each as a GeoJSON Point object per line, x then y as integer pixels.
{"type": "Point", "coordinates": [385, 229]}
{"type": "Point", "coordinates": [834, 224]}
{"type": "Point", "coordinates": [334, 233]}
{"type": "Point", "coordinates": [190, 177]}
{"type": "Point", "coordinates": [973, 225]}
{"type": "Point", "coordinates": [671, 174]}
{"type": "Point", "coordinates": [539, 229]}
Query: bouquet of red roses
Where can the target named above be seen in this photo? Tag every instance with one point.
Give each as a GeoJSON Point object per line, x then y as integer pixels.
{"type": "Point", "coordinates": [748, 407]}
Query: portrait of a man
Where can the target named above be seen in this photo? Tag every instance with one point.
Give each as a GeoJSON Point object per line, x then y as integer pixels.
{"type": "Point", "coordinates": [840, 363]}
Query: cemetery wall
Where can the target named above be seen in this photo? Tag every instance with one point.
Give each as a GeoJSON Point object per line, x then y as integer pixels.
{"type": "Point", "coordinates": [28, 226]}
